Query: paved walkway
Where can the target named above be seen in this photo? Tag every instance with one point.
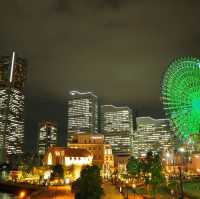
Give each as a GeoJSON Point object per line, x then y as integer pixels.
{"type": "Point", "coordinates": [60, 192]}
{"type": "Point", "coordinates": [63, 192]}
{"type": "Point", "coordinates": [111, 192]}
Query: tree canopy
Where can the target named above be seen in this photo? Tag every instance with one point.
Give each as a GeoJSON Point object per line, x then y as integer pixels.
{"type": "Point", "coordinates": [133, 167]}
{"type": "Point", "coordinates": [58, 172]}
{"type": "Point", "coordinates": [88, 186]}
{"type": "Point", "coordinates": [148, 168]}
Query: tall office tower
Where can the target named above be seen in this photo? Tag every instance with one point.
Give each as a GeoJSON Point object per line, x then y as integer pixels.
{"type": "Point", "coordinates": [82, 113]}
{"type": "Point", "coordinates": [152, 134]}
{"type": "Point", "coordinates": [13, 71]}
{"type": "Point", "coordinates": [47, 136]}
{"type": "Point", "coordinates": [117, 127]}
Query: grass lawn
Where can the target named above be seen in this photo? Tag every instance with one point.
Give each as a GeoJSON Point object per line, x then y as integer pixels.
{"type": "Point", "coordinates": [192, 189]}
{"type": "Point", "coordinates": [163, 191]}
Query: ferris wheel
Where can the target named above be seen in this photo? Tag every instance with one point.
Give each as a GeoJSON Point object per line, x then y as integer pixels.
{"type": "Point", "coordinates": [180, 91]}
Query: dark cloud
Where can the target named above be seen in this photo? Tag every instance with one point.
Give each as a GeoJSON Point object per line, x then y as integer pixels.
{"type": "Point", "coordinates": [117, 48]}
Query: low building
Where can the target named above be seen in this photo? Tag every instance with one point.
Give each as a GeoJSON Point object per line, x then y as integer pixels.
{"type": "Point", "coordinates": [121, 161]}
{"type": "Point", "coordinates": [67, 156]}
{"type": "Point", "coordinates": [194, 165]}
{"type": "Point", "coordinates": [72, 158]}
{"type": "Point", "coordinates": [101, 152]}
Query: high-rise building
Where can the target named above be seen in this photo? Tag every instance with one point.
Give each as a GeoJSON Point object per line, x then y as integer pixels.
{"type": "Point", "coordinates": [82, 113]}
{"type": "Point", "coordinates": [152, 135]}
{"type": "Point", "coordinates": [47, 136]}
{"type": "Point", "coordinates": [117, 127]}
{"type": "Point", "coordinates": [13, 71]}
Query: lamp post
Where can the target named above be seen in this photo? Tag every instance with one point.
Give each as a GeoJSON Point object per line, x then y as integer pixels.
{"type": "Point", "coordinates": [126, 189]}
{"type": "Point", "coordinates": [134, 186]}
{"type": "Point", "coordinates": [181, 150]}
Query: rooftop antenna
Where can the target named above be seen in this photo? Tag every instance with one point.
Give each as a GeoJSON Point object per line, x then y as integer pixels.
{"type": "Point", "coordinates": [12, 66]}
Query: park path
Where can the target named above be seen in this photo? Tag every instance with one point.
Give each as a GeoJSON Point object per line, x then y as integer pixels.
{"type": "Point", "coordinates": [111, 192]}
{"type": "Point", "coordinates": [61, 192]}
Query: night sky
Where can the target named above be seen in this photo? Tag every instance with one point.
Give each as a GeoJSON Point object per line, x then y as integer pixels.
{"type": "Point", "coordinates": [118, 49]}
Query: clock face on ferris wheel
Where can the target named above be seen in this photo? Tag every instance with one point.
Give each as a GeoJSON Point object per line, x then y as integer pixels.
{"type": "Point", "coordinates": [181, 95]}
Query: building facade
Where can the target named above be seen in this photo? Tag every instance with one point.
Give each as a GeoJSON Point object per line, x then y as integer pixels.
{"type": "Point", "coordinates": [82, 115]}
{"type": "Point", "coordinates": [101, 152]}
{"type": "Point", "coordinates": [73, 159]}
{"type": "Point", "coordinates": [195, 163]}
{"type": "Point", "coordinates": [152, 134]}
{"type": "Point", "coordinates": [13, 70]}
{"type": "Point", "coordinates": [47, 136]}
{"type": "Point", "coordinates": [117, 127]}
{"type": "Point", "coordinates": [120, 162]}
{"type": "Point", "coordinates": [67, 156]}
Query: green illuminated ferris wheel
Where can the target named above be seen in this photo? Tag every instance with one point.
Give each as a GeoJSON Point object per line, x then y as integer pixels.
{"type": "Point", "coordinates": [181, 95]}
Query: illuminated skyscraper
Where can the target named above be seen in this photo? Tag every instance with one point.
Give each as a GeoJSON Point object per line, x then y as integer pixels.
{"type": "Point", "coordinates": [152, 134]}
{"type": "Point", "coordinates": [82, 113]}
{"type": "Point", "coordinates": [47, 136]}
{"type": "Point", "coordinates": [12, 79]}
{"type": "Point", "coordinates": [117, 127]}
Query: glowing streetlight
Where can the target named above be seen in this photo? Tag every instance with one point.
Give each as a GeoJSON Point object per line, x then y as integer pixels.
{"type": "Point", "coordinates": [126, 189]}
{"type": "Point", "coordinates": [167, 154]}
{"type": "Point", "coordinates": [181, 149]}
{"type": "Point", "coordinates": [134, 186]}
{"type": "Point", "coordinates": [22, 194]}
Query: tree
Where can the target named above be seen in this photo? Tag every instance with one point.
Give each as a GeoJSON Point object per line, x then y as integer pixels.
{"type": "Point", "coordinates": [88, 186]}
{"type": "Point", "coordinates": [133, 167]}
{"type": "Point", "coordinates": [157, 176]}
{"type": "Point", "coordinates": [152, 170]}
{"type": "Point", "coordinates": [58, 172]}
{"type": "Point", "coordinates": [145, 166]}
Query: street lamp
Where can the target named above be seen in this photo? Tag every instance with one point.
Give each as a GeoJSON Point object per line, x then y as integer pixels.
{"type": "Point", "coordinates": [134, 186]}
{"type": "Point", "coordinates": [167, 154]}
{"type": "Point", "coordinates": [181, 150]}
{"type": "Point", "coordinates": [126, 189]}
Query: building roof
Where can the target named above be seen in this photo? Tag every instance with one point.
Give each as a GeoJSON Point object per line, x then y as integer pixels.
{"type": "Point", "coordinates": [115, 108]}
{"type": "Point", "coordinates": [71, 152]}
{"type": "Point", "coordinates": [151, 120]}
{"type": "Point", "coordinates": [77, 93]}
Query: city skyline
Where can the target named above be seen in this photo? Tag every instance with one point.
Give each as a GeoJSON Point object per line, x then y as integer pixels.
{"type": "Point", "coordinates": [99, 99]}
{"type": "Point", "coordinates": [117, 49]}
